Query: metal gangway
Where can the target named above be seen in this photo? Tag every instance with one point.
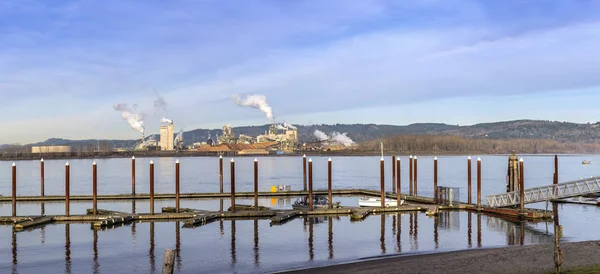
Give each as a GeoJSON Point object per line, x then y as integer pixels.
{"type": "Point", "coordinates": [547, 193]}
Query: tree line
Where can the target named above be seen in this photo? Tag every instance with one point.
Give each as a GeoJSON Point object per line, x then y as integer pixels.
{"type": "Point", "coordinates": [456, 144]}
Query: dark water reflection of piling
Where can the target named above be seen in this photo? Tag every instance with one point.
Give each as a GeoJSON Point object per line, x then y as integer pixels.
{"type": "Point", "coordinates": [416, 232]}
{"type": "Point", "coordinates": [67, 248]}
{"type": "Point", "coordinates": [478, 230]}
{"type": "Point", "coordinates": [151, 253]}
{"type": "Point", "coordinates": [233, 253]}
{"type": "Point", "coordinates": [330, 237]}
{"type": "Point", "coordinates": [399, 233]}
{"type": "Point", "coordinates": [178, 244]}
{"type": "Point", "coordinates": [435, 231]}
{"type": "Point", "coordinates": [256, 253]}
{"type": "Point", "coordinates": [382, 238]}
{"type": "Point", "coordinates": [311, 250]}
{"type": "Point", "coordinates": [95, 248]}
{"type": "Point", "coordinates": [14, 252]}
{"type": "Point", "coordinates": [133, 233]}
{"type": "Point", "coordinates": [43, 234]}
{"type": "Point", "coordinates": [470, 230]}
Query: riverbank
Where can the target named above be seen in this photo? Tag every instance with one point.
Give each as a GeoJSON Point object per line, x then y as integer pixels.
{"type": "Point", "coordinates": [515, 259]}
{"type": "Point", "coordinates": [181, 154]}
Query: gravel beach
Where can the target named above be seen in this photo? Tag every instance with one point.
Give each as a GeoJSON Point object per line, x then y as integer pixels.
{"type": "Point", "coordinates": [515, 259]}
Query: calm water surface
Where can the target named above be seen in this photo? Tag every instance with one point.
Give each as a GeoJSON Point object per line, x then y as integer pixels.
{"type": "Point", "coordinates": [255, 246]}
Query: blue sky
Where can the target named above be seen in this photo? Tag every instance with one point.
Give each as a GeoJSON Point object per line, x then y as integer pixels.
{"type": "Point", "coordinates": [64, 64]}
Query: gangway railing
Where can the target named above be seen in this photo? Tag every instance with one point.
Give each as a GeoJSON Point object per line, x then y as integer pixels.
{"type": "Point", "coordinates": [547, 193]}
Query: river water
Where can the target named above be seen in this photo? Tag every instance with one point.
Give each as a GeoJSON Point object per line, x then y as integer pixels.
{"type": "Point", "coordinates": [255, 246]}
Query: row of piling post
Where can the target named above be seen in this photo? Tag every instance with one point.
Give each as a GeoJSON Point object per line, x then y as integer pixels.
{"type": "Point", "coordinates": [413, 171]}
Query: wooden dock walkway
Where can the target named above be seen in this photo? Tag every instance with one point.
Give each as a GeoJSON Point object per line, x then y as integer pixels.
{"type": "Point", "coordinates": [196, 217]}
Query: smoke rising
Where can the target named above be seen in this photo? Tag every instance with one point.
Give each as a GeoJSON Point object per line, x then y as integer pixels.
{"type": "Point", "coordinates": [160, 105]}
{"type": "Point", "coordinates": [321, 136]}
{"type": "Point", "coordinates": [135, 120]}
{"type": "Point", "coordinates": [280, 127]}
{"type": "Point", "coordinates": [255, 101]}
{"type": "Point", "coordinates": [166, 121]}
{"type": "Point", "coordinates": [336, 137]}
{"type": "Point", "coordinates": [341, 138]}
{"type": "Point", "coordinates": [289, 126]}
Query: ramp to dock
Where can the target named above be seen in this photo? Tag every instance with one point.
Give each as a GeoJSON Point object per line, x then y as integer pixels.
{"type": "Point", "coordinates": [547, 193]}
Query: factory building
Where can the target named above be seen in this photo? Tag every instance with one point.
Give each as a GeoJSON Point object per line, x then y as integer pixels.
{"type": "Point", "coordinates": [167, 141]}
{"type": "Point", "coordinates": [227, 137]}
{"type": "Point", "coordinates": [288, 140]}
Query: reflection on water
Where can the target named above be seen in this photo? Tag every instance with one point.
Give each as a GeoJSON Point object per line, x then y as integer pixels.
{"type": "Point", "coordinates": [256, 254]}
{"type": "Point", "coordinates": [151, 252]}
{"type": "Point", "coordinates": [95, 245]}
{"type": "Point", "coordinates": [382, 238]}
{"type": "Point", "coordinates": [311, 251]}
{"type": "Point", "coordinates": [14, 252]}
{"type": "Point", "coordinates": [233, 253]}
{"type": "Point", "coordinates": [67, 248]}
{"type": "Point", "coordinates": [244, 249]}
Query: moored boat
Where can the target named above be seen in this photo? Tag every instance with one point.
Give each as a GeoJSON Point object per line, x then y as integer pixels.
{"type": "Point", "coordinates": [376, 202]}
{"type": "Point", "coordinates": [318, 202]}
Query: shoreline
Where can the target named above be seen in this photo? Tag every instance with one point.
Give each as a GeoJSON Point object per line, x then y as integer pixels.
{"type": "Point", "coordinates": [511, 259]}
{"type": "Point", "coordinates": [183, 154]}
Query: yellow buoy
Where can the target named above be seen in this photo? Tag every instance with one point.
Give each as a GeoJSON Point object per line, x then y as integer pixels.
{"type": "Point", "coordinates": [273, 189]}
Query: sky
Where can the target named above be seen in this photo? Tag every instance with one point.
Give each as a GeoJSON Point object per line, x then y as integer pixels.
{"type": "Point", "coordinates": [64, 65]}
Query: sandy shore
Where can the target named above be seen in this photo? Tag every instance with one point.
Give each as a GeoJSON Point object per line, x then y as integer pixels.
{"type": "Point", "coordinates": [516, 259]}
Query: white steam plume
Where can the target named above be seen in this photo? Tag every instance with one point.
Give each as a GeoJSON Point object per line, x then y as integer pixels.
{"type": "Point", "coordinates": [166, 121]}
{"type": "Point", "coordinates": [135, 120]}
{"type": "Point", "coordinates": [289, 126]}
{"type": "Point", "coordinates": [341, 138]}
{"type": "Point", "coordinates": [321, 136]}
{"type": "Point", "coordinates": [280, 127]}
{"type": "Point", "coordinates": [254, 101]}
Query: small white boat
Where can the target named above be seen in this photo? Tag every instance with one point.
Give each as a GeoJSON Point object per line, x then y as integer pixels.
{"type": "Point", "coordinates": [376, 202]}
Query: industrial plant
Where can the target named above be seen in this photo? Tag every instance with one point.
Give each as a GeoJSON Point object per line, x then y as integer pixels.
{"type": "Point", "coordinates": [279, 138]}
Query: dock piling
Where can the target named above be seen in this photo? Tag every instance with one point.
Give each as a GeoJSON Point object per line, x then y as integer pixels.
{"type": "Point", "coordinates": [42, 175]}
{"type": "Point", "coordinates": [177, 186]}
{"type": "Point", "coordinates": [133, 175]}
{"type": "Point", "coordinates": [469, 187]}
{"type": "Point", "coordinates": [256, 183]}
{"type": "Point", "coordinates": [168, 262]}
{"type": "Point", "coordinates": [14, 189]}
{"type": "Point", "coordinates": [310, 185]}
{"type": "Point", "coordinates": [67, 187]}
{"type": "Point", "coordinates": [220, 173]}
{"type": "Point", "coordinates": [393, 174]}
{"type": "Point", "coordinates": [415, 175]}
{"type": "Point", "coordinates": [435, 179]}
{"type": "Point", "coordinates": [232, 185]}
{"type": "Point", "coordinates": [556, 169]}
{"type": "Point", "coordinates": [522, 185]}
{"type": "Point", "coordinates": [304, 169]}
{"type": "Point", "coordinates": [398, 184]}
{"type": "Point", "coordinates": [95, 188]}
{"type": "Point", "coordinates": [382, 176]}
{"type": "Point", "coordinates": [410, 175]}
{"type": "Point", "coordinates": [329, 184]}
{"type": "Point", "coordinates": [478, 183]}
{"type": "Point", "coordinates": [151, 187]}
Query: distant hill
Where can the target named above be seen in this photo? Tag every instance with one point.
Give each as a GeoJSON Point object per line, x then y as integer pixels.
{"type": "Point", "coordinates": [508, 130]}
